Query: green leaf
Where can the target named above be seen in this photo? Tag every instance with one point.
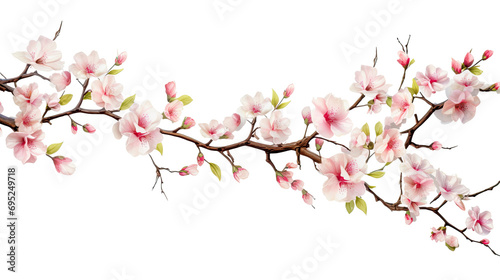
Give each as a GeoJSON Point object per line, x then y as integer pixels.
{"type": "Point", "coordinates": [366, 129]}
{"type": "Point", "coordinates": [275, 99]}
{"type": "Point", "coordinates": [412, 91]}
{"type": "Point", "coordinates": [127, 102]}
{"type": "Point", "coordinates": [379, 128]}
{"type": "Point", "coordinates": [115, 71]}
{"type": "Point", "coordinates": [215, 170]}
{"type": "Point", "coordinates": [371, 187]}
{"type": "Point", "coordinates": [88, 95]}
{"type": "Point", "coordinates": [389, 101]}
{"type": "Point", "coordinates": [476, 71]}
{"type": "Point", "coordinates": [415, 87]}
{"type": "Point", "coordinates": [159, 148]}
{"type": "Point", "coordinates": [65, 99]}
{"type": "Point", "coordinates": [163, 116]}
{"type": "Point", "coordinates": [283, 105]}
{"type": "Point", "coordinates": [349, 206]}
{"type": "Point", "coordinates": [53, 148]}
{"type": "Point", "coordinates": [361, 204]}
{"type": "Point", "coordinates": [376, 174]}
{"type": "Point", "coordinates": [411, 62]}
{"type": "Point", "coordinates": [185, 99]}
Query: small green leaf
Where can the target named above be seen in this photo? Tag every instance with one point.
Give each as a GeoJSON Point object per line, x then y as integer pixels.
{"type": "Point", "coordinates": [412, 91]}
{"type": "Point", "coordinates": [127, 102]}
{"type": "Point", "coordinates": [411, 62]}
{"type": "Point", "coordinates": [216, 170]}
{"type": "Point", "coordinates": [185, 99]}
{"type": "Point", "coordinates": [376, 174]}
{"type": "Point", "coordinates": [366, 129]}
{"type": "Point", "coordinates": [53, 148]}
{"type": "Point", "coordinates": [159, 148]}
{"type": "Point", "coordinates": [275, 99]}
{"type": "Point", "coordinates": [371, 187]}
{"type": "Point", "coordinates": [115, 71]}
{"type": "Point", "coordinates": [379, 128]}
{"type": "Point", "coordinates": [163, 116]}
{"type": "Point", "coordinates": [415, 87]}
{"type": "Point", "coordinates": [65, 99]}
{"type": "Point", "coordinates": [475, 70]}
{"type": "Point", "coordinates": [361, 204]}
{"type": "Point", "coordinates": [349, 206]}
{"type": "Point", "coordinates": [389, 101]}
{"type": "Point", "coordinates": [283, 105]}
{"type": "Point", "coordinates": [88, 95]}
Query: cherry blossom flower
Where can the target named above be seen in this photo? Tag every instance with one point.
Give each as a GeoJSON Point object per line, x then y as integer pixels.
{"type": "Point", "coordinates": [479, 222]}
{"type": "Point", "coordinates": [307, 197]}
{"type": "Point", "coordinates": [388, 146]}
{"type": "Point", "coordinates": [468, 60]}
{"type": "Point", "coordinates": [403, 59]}
{"type": "Point", "coordinates": [239, 173]}
{"type": "Point", "coordinates": [368, 82]}
{"type": "Point", "coordinates": [29, 120]}
{"type": "Point", "coordinates": [107, 93]}
{"type": "Point", "coordinates": [200, 159]}
{"type": "Point", "coordinates": [284, 178]}
{"type": "Point", "coordinates": [358, 142]}
{"type": "Point", "coordinates": [173, 110]}
{"type": "Point", "coordinates": [451, 242]}
{"type": "Point", "coordinates": [378, 100]}
{"type": "Point", "coordinates": [88, 66]}
{"type": "Point", "coordinates": [27, 96]}
{"type": "Point", "coordinates": [187, 123]}
{"type": "Point", "coordinates": [170, 89]}
{"type": "Point", "coordinates": [466, 80]}
{"type": "Point", "coordinates": [456, 66]}
{"type": "Point", "coordinates": [27, 145]}
{"type": "Point", "coordinates": [120, 59]}
{"type": "Point", "coordinates": [291, 165]}
{"type": "Point", "coordinates": [61, 80]}
{"type": "Point", "coordinates": [402, 106]}
{"type": "Point", "coordinates": [344, 174]}
{"type": "Point", "coordinates": [461, 105]}
{"type": "Point", "coordinates": [450, 187]}
{"type": "Point", "coordinates": [330, 116]}
{"type": "Point", "coordinates": [234, 122]}
{"type": "Point", "coordinates": [297, 185]}
{"type": "Point", "coordinates": [413, 163]}
{"type": "Point", "coordinates": [487, 54]}
{"type": "Point", "coordinates": [413, 206]}
{"type": "Point", "coordinates": [306, 115]}
{"type": "Point", "coordinates": [42, 55]}
{"type": "Point", "coordinates": [438, 234]}
{"type": "Point", "coordinates": [436, 146]}
{"type": "Point", "coordinates": [435, 79]}
{"type": "Point", "coordinates": [88, 128]}
{"type": "Point", "coordinates": [418, 186]}
{"type": "Point", "coordinates": [289, 91]}
{"type": "Point", "coordinates": [189, 170]}
{"type": "Point", "coordinates": [275, 129]}
{"type": "Point", "coordinates": [52, 101]}
{"type": "Point", "coordinates": [256, 106]}
{"type": "Point", "coordinates": [213, 130]}
{"type": "Point", "coordinates": [140, 125]}
{"type": "Point", "coordinates": [64, 165]}
{"type": "Point", "coordinates": [319, 143]}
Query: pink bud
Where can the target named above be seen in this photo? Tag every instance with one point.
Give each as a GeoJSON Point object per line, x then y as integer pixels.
{"type": "Point", "coordinates": [495, 86]}
{"type": "Point", "coordinates": [284, 178]}
{"type": "Point", "coordinates": [404, 60]}
{"type": "Point", "coordinates": [485, 241]}
{"type": "Point", "coordinates": [468, 60]}
{"type": "Point", "coordinates": [306, 115]}
{"type": "Point", "coordinates": [64, 165]}
{"type": "Point", "coordinates": [307, 197]}
{"type": "Point", "coordinates": [291, 165]}
{"type": "Point", "coordinates": [289, 90]}
{"type": "Point", "coordinates": [88, 128]}
{"type": "Point", "coordinates": [436, 146]}
{"type": "Point", "coordinates": [188, 123]}
{"type": "Point", "coordinates": [200, 159]}
{"type": "Point", "coordinates": [487, 54]}
{"type": "Point", "coordinates": [451, 242]}
{"type": "Point", "coordinates": [319, 143]}
{"type": "Point", "coordinates": [189, 170]}
{"type": "Point", "coordinates": [74, 128]}
{"type": "Point", "coordinates": [120, 59]}
{"type": "Point", "coordinates": [297, 185]}
{"type": "Point", "coordinates": [408, 218]}
{"type": "Point", "coordinates": [456, 66]}
{"type": "Point", "coordinates": [239, 173]}
{"type": "Point", "coordinates": [170, 89]}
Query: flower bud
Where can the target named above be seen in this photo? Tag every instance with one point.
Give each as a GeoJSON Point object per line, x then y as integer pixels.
{"type": "Point", "coordinates": [239, 173]}
{"type": "Point", "coordinates": [189, 170]}
{"type": "Point", "coordinates": [88, 128]}
{"type": "Point", "coordinates": [494, 87]}
{"type": "Point", "coordinates": [485, 241]}
{"type": "Point", "coordinates": [404, 60]}
{"type": "Point", "coordinates": [408, 218]}
{"type": "Point", "coordinates": [187, 123]}
{"type": "Point", "coordinates": [170, 89]}
{"type": "Point", "coordinates": [468, 60]}
{"type": "Point", "coordinates": [319, 143]}
{"type": "Point", "coordinates": [456, 66]}
{"type": "Point", "coordinates": [200, 159]}
{"type": "Point", "coordinates": [120, 59]}
{"type": "Point", "coordinates": [306, 115]}
{"type": "Point", "coordinates": [307, 197]}
{"type": "Point", "coordinates": [291, 165]}
{"type": "Point", "coordinates": [436, 146]}
{"type": "Point", "coordinates": [64, 165]}
{"type": "Point", "coordinates": [289, 90]}
{"type": "Point", "coordinates": [487, 54]}
{"type": "Point", "coordinates": [451, 242]}
{"type": "Point", "coordinates": [297, 185]}
{"type": "Point", "coordinates": [74, 127]}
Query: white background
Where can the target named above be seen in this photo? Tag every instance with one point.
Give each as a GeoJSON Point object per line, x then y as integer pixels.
{"type": "Point", "coordinates": [104, 222]}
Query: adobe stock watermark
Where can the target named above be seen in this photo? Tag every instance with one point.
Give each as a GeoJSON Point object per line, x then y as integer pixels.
{"type": "Point", "coordinates": [324, 250]}
{"type": "Point", "coordinates": [31, 26]}
{"type": "Point", "coordinates": [363, 36]}
{"type": "Point", "coordinates": [121, 275]}
{"type": "Point", "coordinates": [223, 7]}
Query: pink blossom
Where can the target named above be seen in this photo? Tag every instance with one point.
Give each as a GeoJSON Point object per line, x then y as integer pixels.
{"type": "Point", "coordinates": [418, 186]}
{"type": "Point", "coordinates": [358, 142]}
{"type": "Point", "coordinates": [120, 59]}
{"type": "Point", "coordinates": [233, 123]}
{"type": "Point", "coordinates": [189, 170]}
{"type": "Point", "coordinates": [456, 66]}
{"type": "Point", "coordinates": [88, 66]}
{"type": "Point", "coordinates": [330, 116]}
{"type": "Point", "coordinates": [378, 100]}
{"type": "Point", "coordinates": [291, 165]}
{"type": "Point", "coordinates": [450, 188]}
{"type": "Point", "coordinates": [408, 218]}
{"type": "Point", "coordinates": [307, 197]}
{"type": "Point", "coordinates": [74, 128]}
{"type": "Point", "coordinates": [402, 106]}
{"type": "Point", "coordinates": [275, 129]}
{"type": "Point", "coordinates": [140, 125]}
{"type": "Point", "coordinates": [404, 59]}
{"type": "Point", "coordinates": [487, 54]}
{"type": "Point", "coordinates": [388, 146]}
{"type": "Point", "coordinates": [64, 165]}
{"type": "Point", "coordinates": [170, 89]}
{"type": "Point", "coordinates": [368, 82]}
{"type": "Point", "coordinates": [42, 55]}
{"type": "Point", "coordinates": [173, 110]}
{"type": "Point", "coordinates": [479, 222]}
{"type": "Point", "coordinates": [461, 105]}
{"type": "Point", "coordinates": [413, 163]}
{"type": "Point", "coordinates": [319, 143]}
{"type": "Point", "coordinates": [413, 206]}
{"type": "Point", "coordinates": [239, 173]}
{"type": "Point", "coordinates": [436, 146]}
{"type": "Point", "coordinates": [256, 106]}
{"type": "Point", "coordinates": [88, 128]}
{"type": "Point", "coordinates": [439, 234]}
{"type": "Point", "coordinates": [29, 120]}
{"type": "Point", "coordinates": [213, 130]}
{"type": "Point", "coordinates": [27, 96]}
{"type": "Point", "coordinates": [451, 242]}
{"type": "Point", "coordinates": [297, 185]}
{"type": "Point", "coordinates": [61, 80]}
{"type": "Point", "coordinates": [435, 79]}
{"type": "Point", "coordinates": [344, 174]}
{"type": "Point", "coordinates": [468, 60]}
{"type": "Point", "coordinates": [485, 241]}
{"type": "Point", "coordinates": [284, 178]}
{"type": "Point", "coordinates": [107, 93]}
{"type": "Point", "coordinates": [200, 159]}
{"type": "Point", "coordinates": [289, 91]}
{"type": "Point", "coordinates": [466, 80]}
{"type": "Point", "coordinates": [52, 101]}
{"type": "Point", "coordinates": [306, 115]}
{"type": "Point", "coordinates": [27, 145]}
{"type": "Point", "coordinates": [187, 123]}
